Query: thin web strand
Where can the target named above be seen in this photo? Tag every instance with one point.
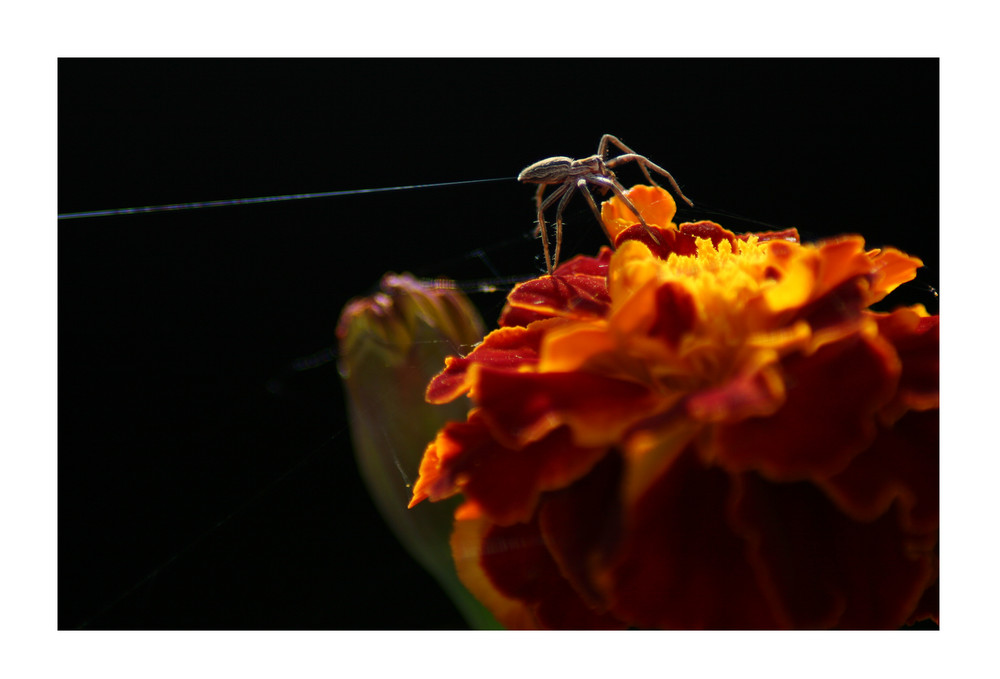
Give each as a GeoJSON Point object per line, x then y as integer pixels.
{"type": "Point", "coordinates": [172, 207]}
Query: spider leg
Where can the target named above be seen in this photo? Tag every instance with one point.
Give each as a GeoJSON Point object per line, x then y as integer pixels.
{"type": "Point", "coordinates": [582, 185]}
{"type": "Point", "coordinates": [602, 150]}
{"type": "Point", "coordinates": [567, 191]}
{"type": "Point", "coordinates": [643, 163]}
{"type": "Point", "coordinates": [620, 192]}
{"type": "Point", "coordinates": [542, 206]}
{"type": "Point", "coordinates": [555, 194]}
{"type": "Point", "coordinates": [541, 224]}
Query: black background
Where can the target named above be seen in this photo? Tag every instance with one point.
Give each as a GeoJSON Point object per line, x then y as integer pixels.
{"type": "Point", "coordinates": [202, 483]}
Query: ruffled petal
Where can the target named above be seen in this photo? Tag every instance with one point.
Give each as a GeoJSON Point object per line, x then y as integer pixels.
{"type": "Point", "coordinates": [754, 394]}
{"type": "Point", "coordinates": [676, 314]}
{"type": "Point", "coordinates": [524, 407]}
{"type": "Point", "coordinates": [916, 338]}
{"type": "Point", "coordinates": [817, 431]}
{"type": "Point", "coordinates": [582, 527]}
{"type": "Point", "coordinates": [655, 205]}
{"type": "Point", "coordinates": [547, 299]}
{"type": "Point", "coordinates": [900, 466]}
{"type": "Point", "coordinates": [508, 348]}
{"type": "Point", "coordinates": [893, 268]}
{"type": "Point", "coordinates": [511, 568]}
{"type": "Point", "coordinates": [816, 564]}
{"type": "Point", "coordinates": [500, 482]}
{"type": "Point", "coordinates": [587, 266]}
{"type": "Point", "coordinates": [928, 607]}
{"type": "Point", "coordinates": [467, 550]}
{"type": "Point", "coordinates": [681, 565]}
{"type": "Point", "coordinates": [576, 296]}
{"type": "Point", "coordinates": [681, 241]}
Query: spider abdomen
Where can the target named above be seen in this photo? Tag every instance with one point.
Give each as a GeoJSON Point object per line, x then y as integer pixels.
{"type": "Point", "coordinates": [549, 171]}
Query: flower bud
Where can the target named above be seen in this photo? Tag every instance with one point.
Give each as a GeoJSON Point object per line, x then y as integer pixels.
{"type": "Point", "coordinates": [391, 344]}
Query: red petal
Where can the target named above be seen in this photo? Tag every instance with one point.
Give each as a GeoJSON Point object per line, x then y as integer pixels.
{"type": "Point", "coordinates": [917, 341]}
{"type": "Point", "coordinates": [512, 317]}
{"type": "Point", "coordinates": [744, 396]}
{"type": "Point", "coordinates": [902, 464]}
{"type": "Point", "coordinates": [710, 230]}
{"type": "Point", "coordinates": [502, 483]}
{"type": "Point", "coordinates": [661, 247]}
{"type": "Point", "coordinates": [577, 296]}
{"type": "Point", "coordinates": [842, 303]}
{"type": "Point", "coordinates": [582, 525]}
{"type": "Point", "coordinates": [506, 348]}
{"type": "Point", "coordinates": [676, 313]}
{"type": "Point", "coordinates": [519, 565]}
{"type": "Point", "coordinates": [590, 266]}
{"type": "Point", "coordinates": [680, 241]}
{"type": "Point", "coordinates": [467, 552]}
{"type": "Point", "coordinates": [682, 566]}
{"type": "Point", "coordinates": [831, 399]}
{"type": "Point", "coordinates": [929, 606]}
{"type": "Point", "coordinates": [523, 407]}
{"type": "Point", "coordinates": [822, 569]}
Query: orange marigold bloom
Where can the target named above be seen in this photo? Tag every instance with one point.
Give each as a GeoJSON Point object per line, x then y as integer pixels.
{"type": "Point", "coordinates": [711, 431]}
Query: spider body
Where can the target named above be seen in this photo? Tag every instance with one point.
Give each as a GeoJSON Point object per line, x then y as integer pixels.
{"type": "Point", "coordinates": [558, 169]}
{"type": "Point", "coordinates": [573, 175]}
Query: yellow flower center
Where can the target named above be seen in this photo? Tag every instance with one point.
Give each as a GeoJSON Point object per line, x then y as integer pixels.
{"type": "Point", "coordinates": [719, 288]}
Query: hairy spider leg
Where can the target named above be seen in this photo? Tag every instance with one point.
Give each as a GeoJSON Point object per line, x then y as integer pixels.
{"type": "Point", "coordinates": [564, 193]}
{"type": "Point", "coordinates": [602, 147]}
{"type": "Point", "coordinates": [582, 185]}
{"type": "Point", "coordinates": [602, 150]}
{"type": "Point", "coordinates": [616, 187]}
{"type": "Point", "coordinates": [542, 206]}
{"type": "Point", "coordinates": [569, 185]}
{"type": "Point", "coordinates": [643, 162]}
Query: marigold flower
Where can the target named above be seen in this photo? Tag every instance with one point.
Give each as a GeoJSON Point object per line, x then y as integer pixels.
{"type": "Point", "coordinates": [709, 431]}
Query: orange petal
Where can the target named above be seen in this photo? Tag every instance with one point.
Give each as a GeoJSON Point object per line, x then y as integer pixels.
{"type": "Point", "coordinates": [841, 259]}
{"type": "Point", "coordinates": [655, 205]}
{"type": "Point", "coordinates": [893, 268]}
{"type": "Point", "coordinates": [575, 346]}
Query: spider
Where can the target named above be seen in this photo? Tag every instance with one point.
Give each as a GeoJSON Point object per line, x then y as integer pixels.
{"type": "Point", "coordinates": [576, 174]}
